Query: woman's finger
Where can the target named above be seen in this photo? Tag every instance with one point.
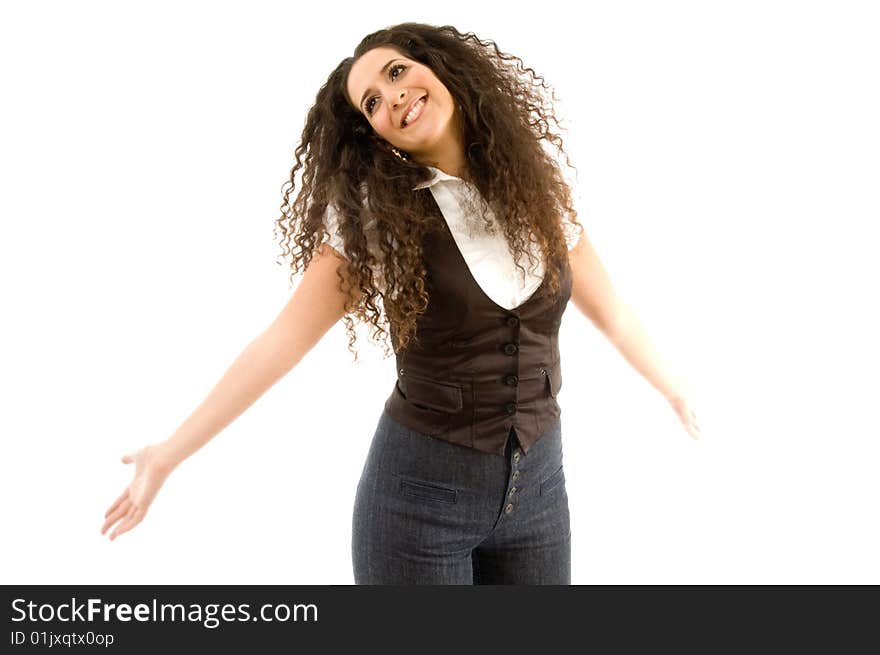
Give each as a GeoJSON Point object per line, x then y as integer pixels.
{"type": "Point", "coordinates": [116, 516]}
{"type": "Point", "coordinates": [120, 512]}
{"type": "Point", "coordinates": [131, 519]}
{"type": "Point", "coordinates": [117, 502]}
{"type": "Point", "coordinates": [125, 518]}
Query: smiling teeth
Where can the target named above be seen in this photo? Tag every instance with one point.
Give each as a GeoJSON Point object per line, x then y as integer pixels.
{"type": "Point", "coordinates": [414, 112]}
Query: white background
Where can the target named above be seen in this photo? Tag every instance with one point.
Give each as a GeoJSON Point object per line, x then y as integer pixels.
{"type": "Point", "coordinates": [728, 170]}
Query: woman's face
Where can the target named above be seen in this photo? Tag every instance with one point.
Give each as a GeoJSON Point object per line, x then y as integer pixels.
{"type": "Point", "coordinates": [385, 86]}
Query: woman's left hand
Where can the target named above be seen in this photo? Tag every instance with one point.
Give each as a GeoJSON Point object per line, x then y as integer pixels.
{"type": "Point", "coordinates": [686, 414]}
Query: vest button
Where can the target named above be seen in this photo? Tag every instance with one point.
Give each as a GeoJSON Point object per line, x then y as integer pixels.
{"type": "Point", "coordinates": [512, 321]}
{"type": "Point", "coordinates": [509, 508]}
{"type": "Point", "coordinates": [511, 380]}
{"type": "Point", "coordinates": [509, 348]}
{"type": "Point", "coordinates": [511, 408]}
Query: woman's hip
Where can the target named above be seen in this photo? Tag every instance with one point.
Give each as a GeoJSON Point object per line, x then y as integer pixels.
{"type": "Point", "coordinates": [412, 477]}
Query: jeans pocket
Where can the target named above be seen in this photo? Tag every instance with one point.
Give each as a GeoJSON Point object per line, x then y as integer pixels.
{"type": "Point", "coordinates": [427, 491]}
{"type": "Point", "coordinates": [557, 478]}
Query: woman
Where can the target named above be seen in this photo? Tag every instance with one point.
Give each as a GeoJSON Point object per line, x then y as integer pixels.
{"type": "Point", "coordinates": [425, 176]}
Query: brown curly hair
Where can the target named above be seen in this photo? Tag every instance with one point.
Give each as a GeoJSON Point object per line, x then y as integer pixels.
{"type": "Point", "coordinates": [507, 127]}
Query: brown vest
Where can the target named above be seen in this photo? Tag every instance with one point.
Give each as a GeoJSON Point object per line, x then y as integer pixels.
{"type": "Point", "coordinates": [479, 369]}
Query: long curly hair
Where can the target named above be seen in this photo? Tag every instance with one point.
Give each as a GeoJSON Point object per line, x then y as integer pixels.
{"type": "Point", "coordinates": [509, 157]}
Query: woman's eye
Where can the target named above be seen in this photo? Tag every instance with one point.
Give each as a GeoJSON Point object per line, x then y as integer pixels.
{"type": "Point", "coordinates": [369, 105]}
{"type": "Point", "coordinates": [394, 68]}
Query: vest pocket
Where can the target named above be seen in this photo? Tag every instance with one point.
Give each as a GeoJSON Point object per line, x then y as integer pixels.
{"type": "Point", "coordinates": [554, 379]}
{"type": "Point", "coordinates": [551, 410]}
{"type": "Point", "coordinates": [428, 394]}
{"type": "Point", "coordinates": [425, 405]}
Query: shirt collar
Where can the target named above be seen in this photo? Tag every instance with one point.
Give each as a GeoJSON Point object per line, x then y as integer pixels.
{"type": "Point", "coordinates": [438, 176]}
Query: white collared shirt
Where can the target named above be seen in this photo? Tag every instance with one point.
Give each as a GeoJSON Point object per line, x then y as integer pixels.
{"type": "Point", "coordinates": [487, 255]}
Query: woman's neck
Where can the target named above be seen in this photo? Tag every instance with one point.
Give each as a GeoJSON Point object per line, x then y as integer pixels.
{"type": "Point", "coordinates": [449, 156]}
{"type": "Point", "coordinates": [452, 163]}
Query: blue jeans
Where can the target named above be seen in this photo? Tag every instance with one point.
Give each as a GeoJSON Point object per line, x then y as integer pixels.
{"type": "Point", "coordinates": [432, 512]}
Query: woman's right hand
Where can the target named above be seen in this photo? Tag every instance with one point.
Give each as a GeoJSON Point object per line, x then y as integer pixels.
{"type": "Point", "coordinates": [151, 467]}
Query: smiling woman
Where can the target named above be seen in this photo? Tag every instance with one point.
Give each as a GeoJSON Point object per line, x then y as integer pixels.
{"type": "Point", "coordinates": [394, 93]}
{"type": "Point", "coordinates": [426, 178]}
{"type": "Point", "coordinates": [374, 185]}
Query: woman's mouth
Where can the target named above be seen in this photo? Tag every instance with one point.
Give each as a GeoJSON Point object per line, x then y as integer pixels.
{"type": "Point", "coordinates": [415, 113]}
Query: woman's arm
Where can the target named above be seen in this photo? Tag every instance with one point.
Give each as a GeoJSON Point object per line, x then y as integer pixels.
{"type": "Point", "coordinates": [593, 294]}
{"type": "Point", "coordinates": [316, 305]}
